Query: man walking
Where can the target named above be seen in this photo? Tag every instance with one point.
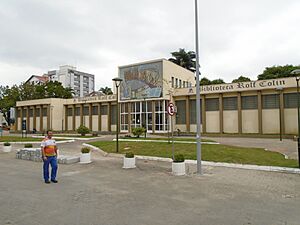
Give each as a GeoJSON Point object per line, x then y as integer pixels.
{"type": "Point", "coordinates": [49, 154]}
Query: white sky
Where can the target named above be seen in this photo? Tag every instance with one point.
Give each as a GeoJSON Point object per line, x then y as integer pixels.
{"type": "Point", "coordinates": [236, 37]}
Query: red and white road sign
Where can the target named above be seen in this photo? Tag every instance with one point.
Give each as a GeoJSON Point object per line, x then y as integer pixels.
{"type": "Point", "coordinates": [171, 109]}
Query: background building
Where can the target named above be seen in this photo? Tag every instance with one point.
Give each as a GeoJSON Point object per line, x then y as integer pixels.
{"type": "Point", "coordinates": [82, 83]}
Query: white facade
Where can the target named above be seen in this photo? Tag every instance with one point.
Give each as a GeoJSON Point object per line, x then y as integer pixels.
{"type": "Point", "coordinates": [82, 83]}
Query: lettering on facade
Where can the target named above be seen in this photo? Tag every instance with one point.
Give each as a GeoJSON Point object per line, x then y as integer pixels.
{"type": "Point", "coordinates": [243, 85]}
{"type": "Point", "coordinates": [94, 98]}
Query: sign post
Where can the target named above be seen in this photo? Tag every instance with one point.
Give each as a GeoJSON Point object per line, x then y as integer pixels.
{"type": "Point", "coordinates": [171, 111]}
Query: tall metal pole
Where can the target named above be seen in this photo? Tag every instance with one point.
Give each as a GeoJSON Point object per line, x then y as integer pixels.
{"type": "Point", "coordinates": [198, 137]}
{"type": "Point", "coordinates": [117, 118]}
{"type": "Point", "coordinates": [297, 79]}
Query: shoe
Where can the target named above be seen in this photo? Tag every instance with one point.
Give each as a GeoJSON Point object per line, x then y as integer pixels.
{"type": "Point", "coordinates": [54, 181]}
{"type": "Point", "coordinates": [47, 181]}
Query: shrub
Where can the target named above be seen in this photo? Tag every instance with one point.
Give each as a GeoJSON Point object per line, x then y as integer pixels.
{"type": "Point", "coordinates": [129, 155]}
{"type": "Point", "coordinates": [83, 130]}
{"type": "Point", "coordinates": [6, 144]}
{"type": "Point", "coordinates": [85, 150]}
{"type": "Point", "coordinates": [28, 146]}
{"type": "Point", "coordinates": [178, 158]}
{"type": "Point", "coordinates": [138, 131]}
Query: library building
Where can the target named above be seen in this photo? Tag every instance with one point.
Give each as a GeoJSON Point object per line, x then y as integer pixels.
{"type": "Point", "coordinates": [260, 107]}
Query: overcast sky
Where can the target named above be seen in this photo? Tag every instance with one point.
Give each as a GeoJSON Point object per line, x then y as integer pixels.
{"type": "Point", "coordinates": [236, 37]}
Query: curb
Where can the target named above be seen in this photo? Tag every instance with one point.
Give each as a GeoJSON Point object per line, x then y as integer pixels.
{"type": "Point", "coordinates": [37, 142]}
{"type": "Point", "coordinates": [96, 149]}
{"type": "Point", "coordinates": [165, 141]}
{"type": "Point", "coordinates": [70, 138]}
{"type": "Point", "coordinates": [208, 163]}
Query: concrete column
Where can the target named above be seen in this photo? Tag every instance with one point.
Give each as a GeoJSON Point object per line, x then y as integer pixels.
{"type": "Point", "coordinates": [48, 117]}
{"type": "Point", "coordinates": [41, 119]}
{"type": "Point", "coordinates": [99, 117]}
{"type": "Point", "coordinates": [27, 118]}
{"type": "Point", "coordinates": [221, 112]}
{"type": "Point", "coordinates": [74, 117]}
{"type": "Point", "coordinates": [259, 106]}
{"type": "Point", "coordinates": [187, 113]}
{"type": "Point", "coordinates": [239, 107]}
{"type": "Point", "coordinates": [108, 116]}
{"type": "Point", "coordinates": [281, 108]}
{"type": "Point", "coordinates": [81, 114]}
{"type": "Point", "coordinates": [21, 117]}
{"type": "Point", "coordinates": [203, 113]}
{"type": "Point", "coordinates": [90, 117]}
{"type": "Point", "coordinates": [66, 117]}
{"type": "Point", "coordinates": [34, 117]}
{"type": "Point", "coordinates": [153, 117]}
{"type": "Point", "coordinates": [17, 119]}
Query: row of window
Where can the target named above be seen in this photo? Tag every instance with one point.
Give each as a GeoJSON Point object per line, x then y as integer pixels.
{"type": "Point", "coordinates": [178, 83]}
{"type": "Point", "coordinates": [30, 112]}
{"type": "Point", "coordinates": [251, 102]}
{"type": "Point", "coordinates": [230, 103]}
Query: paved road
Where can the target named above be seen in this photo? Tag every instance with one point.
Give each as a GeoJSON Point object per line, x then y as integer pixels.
{"type": "Point", "coordinates": [102, 193]}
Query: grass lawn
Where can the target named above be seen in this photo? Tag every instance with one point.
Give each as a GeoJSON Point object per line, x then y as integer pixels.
{"type": "Point", "coordinates": [165, 139]}
{"type": "Point", "coordinates": [214, 153]}
{"type": "Point", "coordinates": [19, 139]}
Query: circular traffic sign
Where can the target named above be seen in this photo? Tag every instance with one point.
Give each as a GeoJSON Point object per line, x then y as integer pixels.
{"type": "Point", "coordinates": [171, 109]}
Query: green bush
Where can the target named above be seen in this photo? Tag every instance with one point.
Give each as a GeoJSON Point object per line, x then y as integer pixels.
{"type": "Point", "coordinates": [138, 131]}
{"type": "Point", "coordinates": [83, 130]}
{"type": "Point", "coordinates": [6, 144]}
{"type": "Point", "coordinates": [178, 158]}
{"type": "Point", "coordinates": [28, 146]}
{"type": "Point", "coordinates": [129, 155]}
{"type": "Point", "coordinates": [85, 150]}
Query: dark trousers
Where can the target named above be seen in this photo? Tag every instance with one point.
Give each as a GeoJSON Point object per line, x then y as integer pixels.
{"type": "Point", "coordinates": [53, 162]}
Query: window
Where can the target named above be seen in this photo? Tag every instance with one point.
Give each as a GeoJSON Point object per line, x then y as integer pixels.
{"type": "Point", "coordinates": [212, 104]}
{"type": "Point", "coordinates": [172, 82]}
{"type": "Point", "coordinates": [249, 102]}
{"type": "Point", "coordinates": [113, 115]}
{"type": "Point", "coordinates": [86, 110]}
{"type": "Point", "coordinates": [103, 110]}
{"type": "Point", "coordinates": [183, 84]}
{"type": "Point", "coordinates": [95, 110]}
{"type": "Point", "coordinates": [37, 112]}
{"type": "Point", "coordinates": [180, 115]}
{"type": "Point", "coordinates": [270, 101]}
{"type": "Point", "coordinates": [193, 112]}
{"type": "Point", "coordinates": [24, 112]}
{"type": "Point", "coordinates": [230, 103]}
{"type": "Point", "coordinates": [69, 112]}
{"type": "Point", "coordinates": [179, 83]}
{"type": "Point", "coordinates": [176, 83]}
{"type": "Point", "coordinates": [77, 111]}
{"type": "Point", "coordinates": [45, 111]}
{"type": "Point", "coordinates": [290, 100]}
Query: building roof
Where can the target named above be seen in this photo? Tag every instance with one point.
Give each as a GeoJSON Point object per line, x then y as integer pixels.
{"type": "Point", "coordinates": [42, 79]}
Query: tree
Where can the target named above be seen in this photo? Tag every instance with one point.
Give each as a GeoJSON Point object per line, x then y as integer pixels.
{"type": "Point", "coordinates": [184, 59]}
{"type": "Point", "coordinates": [205, 81]}
{"type": "Point", "coordinates": [106, 90]}
{"type": "Point", "coordinates": [30, 91]}
{"type": "Point", "coordinates": [277, 72]}
{"type": "Point", "coordinates": [241, 79]}
{"type": "Point", "coordinates": [218, 81]}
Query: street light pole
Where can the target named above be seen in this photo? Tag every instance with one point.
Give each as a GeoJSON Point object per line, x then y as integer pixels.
{"type": "Point", "coordinates": [298, 111]}
{"type": "Point", "coordinates": [198, 137]}
{"type": "Point", "coordinates": [297, 71]}
{"type": "Point", "coordinates": [117, 81]}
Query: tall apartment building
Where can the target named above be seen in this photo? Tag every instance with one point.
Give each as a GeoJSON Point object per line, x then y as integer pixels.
{"type": "Point", "coordinates": [82, 83]}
